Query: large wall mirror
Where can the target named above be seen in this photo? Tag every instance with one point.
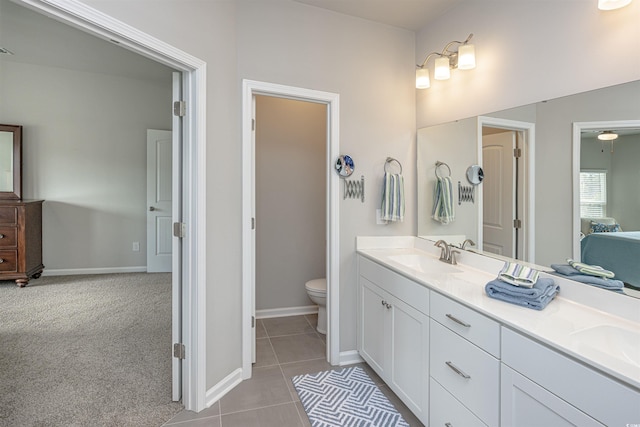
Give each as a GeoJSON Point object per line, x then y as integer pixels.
{"type": "Point", "coordinates": [546, 180]}
{"type": "Point", "coordinates": [10, 162]}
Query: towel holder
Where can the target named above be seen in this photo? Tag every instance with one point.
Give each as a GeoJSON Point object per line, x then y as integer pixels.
{"type": "Point", "coordinates": [438, 164]}
{"type": "Point", "coordinates": [389, 161]}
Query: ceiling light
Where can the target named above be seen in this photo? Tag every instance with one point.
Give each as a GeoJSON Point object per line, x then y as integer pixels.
{"type": "Point", "coordinates": [607, 135]}
{"type": "Point", "coordinates": [464, 58]}
{"type": "Point", "coordinates": [612, 4]}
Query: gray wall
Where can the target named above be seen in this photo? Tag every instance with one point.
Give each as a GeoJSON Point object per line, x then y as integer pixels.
{"type": "Point", "coordinates": [84, 153]}
{"type": "Point", "coordinates": [291, 204]}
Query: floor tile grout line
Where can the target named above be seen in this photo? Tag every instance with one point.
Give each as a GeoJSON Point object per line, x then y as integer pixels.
{"type": "Point", "coordinates": [292, 334]}
{"type": "Point", "coordinates": [178, 423]}
{"type": "Point", "coordinates": [258, 407]}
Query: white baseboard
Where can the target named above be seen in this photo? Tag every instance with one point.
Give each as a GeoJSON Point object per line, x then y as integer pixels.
{"type": "Point", "coordinates": [106, 270]}
{"type": "Point", "coordinates": [227, 384]}
{"type": "Point", "coordinates": [285, 312]}
{"type": "Point", "coordinates": [350, 357]}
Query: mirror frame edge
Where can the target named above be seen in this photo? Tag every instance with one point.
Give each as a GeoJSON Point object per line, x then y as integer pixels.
{"type": "Point", "coordinates": [16, 194]}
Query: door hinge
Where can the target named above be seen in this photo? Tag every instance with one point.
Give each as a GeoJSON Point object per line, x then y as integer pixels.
{"type": "Point", "coordinates": [253, 321]}
{"type": "Point", "coordinates": [179, 229]}
{"type": "Point", "coordinates": [179, 351]}
{"type": "Point", "coordinates": [517, 223]}
{"type": "Point", "coordinates": [180, 108]}
{"type": "Point", "coordinates": [517, 153]}
{"type": "Point", "coordinates": [253, 223]}
{"type": "Point", "coordinates": [253, 124]}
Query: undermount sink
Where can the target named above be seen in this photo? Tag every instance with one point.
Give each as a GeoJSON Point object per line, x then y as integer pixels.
{"type": "Point", "coordinates": [424, 263]}
{"type": "Point", "coordinates": [622, 344]}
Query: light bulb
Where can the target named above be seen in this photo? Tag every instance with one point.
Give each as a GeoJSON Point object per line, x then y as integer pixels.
{"type": "Point", "coordinates": [612, 4]}
{"type": "Point", "coordinates": [422, 78]}
{"type": "Point", "coordinates": [466, 57]}
{"type": "Point", "coordinates": [442, 71]}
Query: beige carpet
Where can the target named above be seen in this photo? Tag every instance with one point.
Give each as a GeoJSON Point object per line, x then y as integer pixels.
{"type": "Point", "coordinates": [86, 351]}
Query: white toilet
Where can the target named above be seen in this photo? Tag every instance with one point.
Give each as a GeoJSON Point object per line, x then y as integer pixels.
{"type": "Point", "coordinates": [317, 291]}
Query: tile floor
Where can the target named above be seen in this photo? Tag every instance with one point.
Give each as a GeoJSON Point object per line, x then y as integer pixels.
{"type": "Point", "coordinates": [285, 347]}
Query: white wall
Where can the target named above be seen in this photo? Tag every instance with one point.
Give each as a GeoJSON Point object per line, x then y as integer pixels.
{"type": "Point", "coordinates": [625, 177]}
{"type": "Point", "coordinates": [290, 158]}
{"type": "Point", "coordinates": [371, 67]}
{"type": "Point", "coordinates": [84, 153]}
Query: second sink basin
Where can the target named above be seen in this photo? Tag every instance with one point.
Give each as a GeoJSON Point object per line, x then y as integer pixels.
{"type": "Point", "coordinates": [424, 263]}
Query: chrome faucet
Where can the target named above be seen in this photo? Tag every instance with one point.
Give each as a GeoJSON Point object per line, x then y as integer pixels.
{"type": "Point", "coordinates": [469, 241]}
{"type": "Point", "coordinates": [447, 252]}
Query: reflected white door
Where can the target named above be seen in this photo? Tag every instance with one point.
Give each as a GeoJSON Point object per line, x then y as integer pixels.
{"type": "Point", "coordinates": [498, 193]}
{"type": "Point", "coordinates": [159, 189]}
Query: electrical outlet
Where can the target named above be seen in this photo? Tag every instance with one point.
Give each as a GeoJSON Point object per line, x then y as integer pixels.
{"type": "Point", "coordinates": [136, 247]}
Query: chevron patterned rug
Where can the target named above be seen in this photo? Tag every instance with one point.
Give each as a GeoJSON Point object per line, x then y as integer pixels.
{"type": "Point", "coordinates": [345, 398]}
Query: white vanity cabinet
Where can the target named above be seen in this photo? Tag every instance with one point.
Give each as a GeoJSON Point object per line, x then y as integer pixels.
{"type": "Point", "coordinates": [393, 333]}
{"type": "Point", "coordinates": [540, 386]}
{"type": "Point", "coordinates": [464, 363]}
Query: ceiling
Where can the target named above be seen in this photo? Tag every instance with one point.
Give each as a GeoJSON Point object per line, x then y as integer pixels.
{"type": "Point", "coordinates": [410, 14]}
{"type": "Point", "coordinates": [39, 40]}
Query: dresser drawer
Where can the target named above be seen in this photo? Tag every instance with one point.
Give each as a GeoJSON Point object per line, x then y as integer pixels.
{"type": "Point", "coordinates": [8, 237]}
{"type": "Point", "coordinates": [8, 261]}
{"type": "Point", "coordinates": [471, 325]}
{"type": "Point", "coordinates": [447, 411]}
{"type": "Point", "coordinates": [8, 215]}
{"type": "Point", "coordinates": [470, 374]}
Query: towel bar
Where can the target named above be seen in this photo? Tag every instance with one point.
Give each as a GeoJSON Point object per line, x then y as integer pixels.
{"type": "Point", "coordinates": [438, 164]}
{"type": "Point", "coordinates": [389, 161]}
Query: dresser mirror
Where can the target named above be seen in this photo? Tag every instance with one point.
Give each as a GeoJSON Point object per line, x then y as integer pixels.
{"type": "Point", "coordinates": [557, 148]}
{"type": "Point", "coordinates": [10, 162]}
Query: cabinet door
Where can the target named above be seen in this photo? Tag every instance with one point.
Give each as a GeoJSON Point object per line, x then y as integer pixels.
{"type": "Point", "coordinates": [526, 404]}
{"type": "Point", "coordinates": [409, 346]}
{"type": "Point", "coordinates": [374, 336]}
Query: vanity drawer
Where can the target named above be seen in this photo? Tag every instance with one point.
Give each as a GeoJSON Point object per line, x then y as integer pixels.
{"type": "Point", "coordinates": [8, 261]}
{"type": "Point", "coordinates": [470, 374]}
{"type": "Point", "coordinates": [469, 324]}
{"type": "Point", "coordinates": [447, 411]}
{"type": "Point", "coordinates": [8, 237]}
{"type": "Point", "coordinates": [8, 215]}
{"type": "Point", "coordinates": [412, 293]}
{"type": "Point", "coordinates": [582, 387]}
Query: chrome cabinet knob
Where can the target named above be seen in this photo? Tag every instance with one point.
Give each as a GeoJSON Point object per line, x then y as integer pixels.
{"type": "Point", "coordinates": [151, 208]}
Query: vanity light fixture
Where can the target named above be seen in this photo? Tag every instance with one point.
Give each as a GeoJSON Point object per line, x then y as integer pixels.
{"type": "Point", "coordinates": [607, 135]}
{"type": "Point", "coordinates": [464, 58]}
{"type": "Point", "coordinates": [612, 4]}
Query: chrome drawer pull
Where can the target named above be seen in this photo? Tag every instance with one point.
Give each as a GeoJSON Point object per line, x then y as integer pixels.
{"type": "Point", "coordinates": [457, 370]}
{"type": "Point", "coordinates": [458, 321]}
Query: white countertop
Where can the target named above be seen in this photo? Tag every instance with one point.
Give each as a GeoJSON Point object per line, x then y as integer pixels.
{"type": "Point", "coordinates": [574, 311]}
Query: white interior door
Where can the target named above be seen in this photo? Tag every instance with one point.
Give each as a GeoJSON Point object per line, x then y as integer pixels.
{"type": "Point", "coordinates": [159, 189]}
{"type": "Point", "coordinates": [498, 193]}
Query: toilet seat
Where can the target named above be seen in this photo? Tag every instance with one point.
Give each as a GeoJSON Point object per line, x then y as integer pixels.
{"type": "Point", "coordinates": [317, 286]}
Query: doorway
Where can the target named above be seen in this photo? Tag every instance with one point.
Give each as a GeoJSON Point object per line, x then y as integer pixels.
{"type": "Point", "coordinates": [506, 214]}
{"type": "Point", "coordinates": [251, 89]}
{"type": "Point", "coordinates": [193, 187]}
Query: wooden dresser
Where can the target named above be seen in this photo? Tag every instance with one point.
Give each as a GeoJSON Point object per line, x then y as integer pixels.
{"type": "Point", "coordinates": [20, 240]}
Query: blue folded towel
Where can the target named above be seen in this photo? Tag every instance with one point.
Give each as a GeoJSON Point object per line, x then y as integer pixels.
{"type": "Point", "coordinates": [536, 297]}
{"type": "Point", "coordinates": [568, 272]}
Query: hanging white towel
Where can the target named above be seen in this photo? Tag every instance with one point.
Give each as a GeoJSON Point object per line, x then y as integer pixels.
{"type": "Point", "coordinates": [443, 210]}
{"type": "Point", "coordinates": [393, 197]}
